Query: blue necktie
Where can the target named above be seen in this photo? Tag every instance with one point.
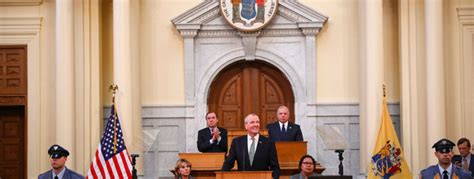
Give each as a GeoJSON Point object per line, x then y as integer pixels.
{"type": "Point", "coordinates": [445, 175]}
{"type": "Point", "coordinates": [283, 130]}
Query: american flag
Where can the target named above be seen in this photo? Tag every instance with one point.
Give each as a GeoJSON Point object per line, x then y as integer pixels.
{"type": "Point", "coordinates": [111, 158]}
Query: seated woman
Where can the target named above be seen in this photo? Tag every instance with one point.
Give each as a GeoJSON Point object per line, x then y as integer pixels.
{"type": "Point", "coordinates": [307, 167]}
{"type": "Point", "coordinates": [183, 169]}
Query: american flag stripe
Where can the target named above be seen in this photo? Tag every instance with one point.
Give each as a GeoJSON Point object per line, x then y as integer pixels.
{"type": "Point", "coordinates": [113, 172]}
{"type": "Point", "coordinates": [111, 158]}
{"type": "Point", "coordinates": [126, 162]}
{"type": "Point", "coordinates": [116, 165]}
{"type": "Point", "coordinates": [94, 175]}
{"type": "Point", "coordinates": [98, 164]}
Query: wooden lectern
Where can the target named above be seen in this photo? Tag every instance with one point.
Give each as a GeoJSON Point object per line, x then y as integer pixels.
{"type": "Point", "coordinates": [244, 174]}
{"type": "Point", "coordinates": [289, 154]}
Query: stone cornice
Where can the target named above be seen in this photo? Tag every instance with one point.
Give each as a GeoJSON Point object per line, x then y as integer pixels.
{"type": "Point", "coordinates": [466, 14]}
{"type": "Point", "coordinates": [188, 32]}
{"type": "Point", "coordinates": [20, 25]}
{"type": "Point", "coordinates": [218, 33]}
{"type": "Point", "coordinates": [281, 32]}
{"type": "Point", "coordinates": [20, 2]}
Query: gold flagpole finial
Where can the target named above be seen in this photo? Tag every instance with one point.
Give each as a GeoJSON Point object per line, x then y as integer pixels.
{"type": "Point", "coordinates": [384, 94]}
{"type": "Point", "coordinates": [113, 89]}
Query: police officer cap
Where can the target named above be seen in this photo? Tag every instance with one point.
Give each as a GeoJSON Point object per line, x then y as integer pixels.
{"type": "Point", "coordinates": [444, 146]}
{"type": "Point", "coordinates": [56, 151]}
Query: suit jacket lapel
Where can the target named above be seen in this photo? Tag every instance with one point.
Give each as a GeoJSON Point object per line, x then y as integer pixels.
{"type": "Point", "coordinates": [471, 163]}
{"type": "Point", "coordinates": [259, 148]}
{"type": "Point", "coordinates": [246, 153]}
{"type": "Point", "coordinates": [50, 174]}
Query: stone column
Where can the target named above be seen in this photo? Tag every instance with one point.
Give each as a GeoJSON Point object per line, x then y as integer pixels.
{"type": "Point", "coordinates": [371, 68]}
{"type": "Point", "coordinates": [65, 94]}
{"type": "Point", "coordinates": [411, 86]}
{"type": "Point", "coordinates": [123, 72]}
{"type": "Point", "coordinates": [435, 102]}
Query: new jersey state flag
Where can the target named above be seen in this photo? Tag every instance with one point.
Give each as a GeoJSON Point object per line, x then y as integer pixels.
{"type": "Point", "coordinates": [387, 160]}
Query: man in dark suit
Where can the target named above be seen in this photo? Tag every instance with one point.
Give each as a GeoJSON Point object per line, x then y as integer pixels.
{"type": "Point", "coordinates": [283, 130]}
{"type": "Point", "coordinates": [466, 159]}
{"type": "Point", "coordinates": [444, 169]}
{"type": "Point", "coordinates": [58, 157]}
{"type": "Point", "coordinates": [212, 138]}
{"type": "Point", "coordinates": [253, 152]}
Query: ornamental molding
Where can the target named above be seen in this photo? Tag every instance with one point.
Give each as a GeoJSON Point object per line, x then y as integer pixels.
{"type": "Point", "coordinates": [20, 25]}
{"type": "Point", "coordinates": [12, 100]}
{"type": "Point", "coordinates": [290, 14]}
{"type": "Point", "coordinates": [20, 2]}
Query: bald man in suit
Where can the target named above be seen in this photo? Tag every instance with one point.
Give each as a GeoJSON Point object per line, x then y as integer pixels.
{"type": "Point", "coordinates": [284, 130]}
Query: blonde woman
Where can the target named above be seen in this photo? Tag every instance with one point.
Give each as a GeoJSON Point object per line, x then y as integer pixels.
{"type": "Point", "coordinates": [183, 169]}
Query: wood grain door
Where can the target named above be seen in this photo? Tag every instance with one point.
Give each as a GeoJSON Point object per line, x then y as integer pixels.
{"type": "Point", "coordinates": [12, 142]}
{"type": "Point", "coordinates": [13, 92]}
{"type": "Point", "coordinates": [249, 87]}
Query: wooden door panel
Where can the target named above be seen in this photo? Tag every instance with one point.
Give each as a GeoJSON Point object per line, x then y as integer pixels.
{"type": "Point", "coordinates": [230, 119]}
{"type": "Point", "coordinates": [271, 98]}
{"type": "Point", "coordinates": [230, 103]}
{"type": "Point", "coordinates": [12, 147]}
{"type": "Point", "coordinates": [13, 70]}
{"type": "Point", "coordinates": [249, 87]}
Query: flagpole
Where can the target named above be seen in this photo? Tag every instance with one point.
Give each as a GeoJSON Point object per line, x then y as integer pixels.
{"type": "Point", "coordinates": [114, 88]}
{"type": "Point", "coordinates": [384, 94]}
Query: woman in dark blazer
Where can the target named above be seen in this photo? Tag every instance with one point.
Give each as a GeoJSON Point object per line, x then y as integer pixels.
{"type": "Point", "coordinates": [307, 168]}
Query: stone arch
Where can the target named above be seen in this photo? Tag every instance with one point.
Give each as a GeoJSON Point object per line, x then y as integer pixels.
{"type": "Point", "coordinates": [212, 70]}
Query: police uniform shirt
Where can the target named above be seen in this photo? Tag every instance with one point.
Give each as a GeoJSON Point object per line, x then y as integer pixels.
{"type": "Point", "coordinates": [449, 169]}
{"type": "Point", "coordinates": [60, 175]}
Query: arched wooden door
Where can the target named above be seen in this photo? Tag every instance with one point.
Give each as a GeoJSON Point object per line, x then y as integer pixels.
{"type": "Point", "coordinates": [249, 87]}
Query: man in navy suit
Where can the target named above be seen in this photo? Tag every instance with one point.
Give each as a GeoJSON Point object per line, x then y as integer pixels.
{"type": "Point", "coordinates": [58, 157]}
{"type": "Point", "coordinates": [212, 138]}
{"type": "Point", "coordinates": [283, 130]}
{"type": "Point", "coordinates": [466, 159]}
{"type": "Point", "coordinates": [444, 169]}
{"type": "Point", "coordinates": [253, 152]}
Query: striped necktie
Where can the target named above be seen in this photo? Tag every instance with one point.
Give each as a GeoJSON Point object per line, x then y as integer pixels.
{"type": "Point", "coordinates": [465, 164]}
{"type": "Point", "coordinates": [252, 151]}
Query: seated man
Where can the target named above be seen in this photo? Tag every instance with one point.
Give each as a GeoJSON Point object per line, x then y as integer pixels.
{"type": "Point", "coordinates": [212, 138]}
{"type": "Point", "coordinates": [283, 130]}
{"type": "Point", "coordinates": [253, 152]}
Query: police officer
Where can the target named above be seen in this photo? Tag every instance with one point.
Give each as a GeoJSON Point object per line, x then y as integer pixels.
{"type": "Point", "coordinates": [58, 157]}
{"type": "Point", "coordinates": [444, 169]}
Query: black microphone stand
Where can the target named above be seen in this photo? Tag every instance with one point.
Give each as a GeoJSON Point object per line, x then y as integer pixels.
{"type": "Point", "coordinates": [341, 167]}
{"type": "Point", "coordinates": [134, 170]}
